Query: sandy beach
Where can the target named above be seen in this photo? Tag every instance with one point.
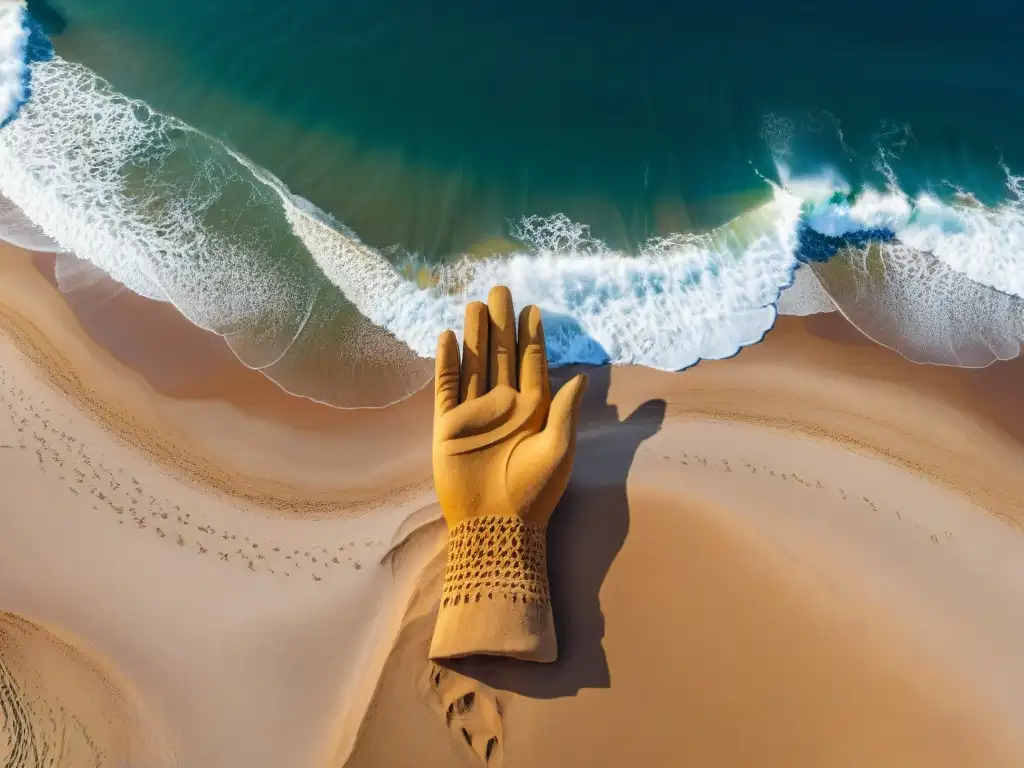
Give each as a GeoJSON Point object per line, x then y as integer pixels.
{"type": "Point", "coordinates": [807, 555]}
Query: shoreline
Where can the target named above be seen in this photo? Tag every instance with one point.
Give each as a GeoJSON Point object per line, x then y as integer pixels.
{"type": "Point", "coordinates": [826, 346]}
{"type": "Point", "coordinates": [713, 472]}
{"type": "Point", "coordinates": [45, 330]}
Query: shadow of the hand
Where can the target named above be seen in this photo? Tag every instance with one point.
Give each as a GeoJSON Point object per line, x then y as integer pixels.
{"type": "Point", "coordinates": [586, 533]}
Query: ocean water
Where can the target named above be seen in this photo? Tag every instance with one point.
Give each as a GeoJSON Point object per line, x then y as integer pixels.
{"type": "Point", "coordinates": [326, 185]}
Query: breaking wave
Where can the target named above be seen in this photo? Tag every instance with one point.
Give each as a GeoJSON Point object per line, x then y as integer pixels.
{"type": "Point", "coordinates": [177, 216]}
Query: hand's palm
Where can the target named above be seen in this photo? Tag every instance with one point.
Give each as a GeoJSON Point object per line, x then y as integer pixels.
{"type": "Point", "coordinates": [501, 445]}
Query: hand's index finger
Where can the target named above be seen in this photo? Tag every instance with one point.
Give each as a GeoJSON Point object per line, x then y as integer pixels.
{"type": "Point", "coordinates": [446, 374]}
{"type": "Point", "coordinates": [533, 354]}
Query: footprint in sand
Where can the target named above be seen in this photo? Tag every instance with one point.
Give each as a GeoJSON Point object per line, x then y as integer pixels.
{"type": "Point", "coordinates": [471, 712]}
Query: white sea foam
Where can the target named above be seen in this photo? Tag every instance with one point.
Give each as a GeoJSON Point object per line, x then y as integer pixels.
{"type": "Point", "coordinates": [67, 159]}
{"type": "Point", "coordinates": [682, 299]}
{"type": "Point", "coordinates": [15, 30]}
{"type": "Point", "coordinates": [176, 216]}
{"type": "Point", "coordinates": [986, 244]}
{"type": "Point", "coordinates": [18, 229]}
{"type": "Point", "coordinates": [678, 301]}
{"type": "Point", "coordinates": [14, 74]}
{"type": "Point", "coordinates": [916, 304]}
{"type": "Point", "coordinates": [805, 296]}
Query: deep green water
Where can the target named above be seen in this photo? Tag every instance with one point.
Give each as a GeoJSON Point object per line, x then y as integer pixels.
{"type": "Point", "coordinates": [432, 125]}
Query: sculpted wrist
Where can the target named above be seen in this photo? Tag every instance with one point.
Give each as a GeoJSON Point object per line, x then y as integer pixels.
{"type": "Point", "coordinates": [495, 598]}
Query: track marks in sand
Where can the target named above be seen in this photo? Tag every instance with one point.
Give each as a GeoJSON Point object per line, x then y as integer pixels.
{"type": "Point", "coordinates": [21, 746]}
{"type": "Point", "coordinates": [41, 429]}
{"type": "Point", "coordinates": [59, 708]}
{"type": "Point", "coordinates": [471, 712]}
{"type": "Point", "coordinates": [780, 474]}
{"type": "Point", "coordinates": [34, 734]}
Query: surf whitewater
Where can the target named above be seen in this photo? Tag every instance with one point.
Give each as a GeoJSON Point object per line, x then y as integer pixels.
{"type": "Point", "coordinates": [121, 191]}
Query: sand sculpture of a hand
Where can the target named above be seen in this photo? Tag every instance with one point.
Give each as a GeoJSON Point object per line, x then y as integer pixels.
{"type": "Point", "coordinates": [503, 451]}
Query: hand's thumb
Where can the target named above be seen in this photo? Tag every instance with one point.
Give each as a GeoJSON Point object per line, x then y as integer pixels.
{"type": "Point", "coordinates": [564, 414]}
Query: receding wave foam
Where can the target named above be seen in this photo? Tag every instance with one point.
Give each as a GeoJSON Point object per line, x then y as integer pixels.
{"type": "Point", "coordinates": [914, 303]}
{"type": "Point", "coordinates": [984, 244]}
{"type": "Point", "coordinates": [18, 229]}
{"type": "Point", "coordinates": [886, 267]}
{"type": "Point", "coordinates": [946, 287]}
{"type": "Point", "coordinates": [176, 216]}
{"type": "Point", "coordinates": [680, 300]}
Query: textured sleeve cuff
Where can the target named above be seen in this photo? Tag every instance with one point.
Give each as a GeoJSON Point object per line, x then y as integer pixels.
{"type": "Point", "coordinates": [495, 598]}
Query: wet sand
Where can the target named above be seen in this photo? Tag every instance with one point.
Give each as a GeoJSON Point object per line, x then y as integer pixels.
{"type": "Point", "coordinates": [806, 555]}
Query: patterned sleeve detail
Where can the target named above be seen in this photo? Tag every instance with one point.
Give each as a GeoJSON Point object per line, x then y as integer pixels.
{"type": "Point", "coordinates": [496, 557]}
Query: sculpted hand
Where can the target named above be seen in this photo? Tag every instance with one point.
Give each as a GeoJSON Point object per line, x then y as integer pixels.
{"type": "Point", "coordinates": [503, 451]}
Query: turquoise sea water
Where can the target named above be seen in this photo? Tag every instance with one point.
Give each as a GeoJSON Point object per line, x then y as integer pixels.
{"type": "Point", "coordinates": [299, 177]}
{"type": "Point", "coordinates": [430, 125]}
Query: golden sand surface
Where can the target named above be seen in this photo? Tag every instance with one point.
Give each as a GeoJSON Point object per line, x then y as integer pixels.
{"type": "Point", "coordinates": [809, 554]}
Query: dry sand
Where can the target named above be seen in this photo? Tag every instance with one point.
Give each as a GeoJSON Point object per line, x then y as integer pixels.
{"type": "Point", "coordinates": [808, 555]}
{"type": "Point", "coordinates": [62, 707]}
